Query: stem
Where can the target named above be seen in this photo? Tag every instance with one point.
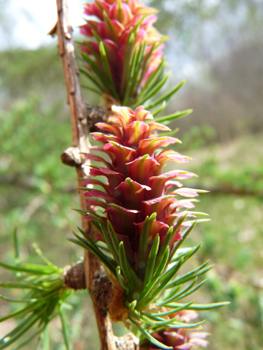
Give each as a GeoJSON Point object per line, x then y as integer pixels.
{"type": "Point", "coordinates": [74, 157]}
{"type": "Point", "coordinates": [80, 142]}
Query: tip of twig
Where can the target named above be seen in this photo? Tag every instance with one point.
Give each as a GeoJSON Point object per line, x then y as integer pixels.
{"type": "Point", "coordinates": [53, 30]}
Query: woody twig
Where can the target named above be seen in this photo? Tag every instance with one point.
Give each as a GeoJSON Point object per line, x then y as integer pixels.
{"type": "Point", "coordinates": [73, 156]}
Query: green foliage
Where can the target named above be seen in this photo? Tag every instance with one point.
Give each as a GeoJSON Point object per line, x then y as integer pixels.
{"type": "Point", "coordinates": [21, 74]}
{"type": "Point", "coordinates": [197, 137]}
{"type": "Point", "coordinates": [164, 267]}
{"type": "Point", "coordinates": [43, 297]}
{"type": "Point", "coordinates": [222, 170]}
{"type": "Point", "coordinates": [29, 122]}
{"type": "Point", "coordinates": [32, 137]}
{"type": "Point", "coordinates": [234, 231]}
{"type": "Point", "coordinates": [231, 241]}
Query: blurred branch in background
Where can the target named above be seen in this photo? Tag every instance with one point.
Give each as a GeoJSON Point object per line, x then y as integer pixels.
{"type": "Point", "coordinates": [222, 45]}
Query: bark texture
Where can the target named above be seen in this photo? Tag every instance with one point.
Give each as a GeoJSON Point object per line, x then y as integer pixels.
{"type": "Point", "coordinates": [83, 118]}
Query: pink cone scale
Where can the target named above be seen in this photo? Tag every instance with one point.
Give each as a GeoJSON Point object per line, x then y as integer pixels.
{"type": "Point", "coordinates": [136, 188]}
{"type": "Point", "coordinates": [122, 33]}
{"type": "Point", "coordinates": [181, 338]}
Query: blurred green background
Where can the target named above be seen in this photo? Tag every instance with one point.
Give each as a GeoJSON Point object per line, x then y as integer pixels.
{"type": "Point", "coordinates": [218, 47]}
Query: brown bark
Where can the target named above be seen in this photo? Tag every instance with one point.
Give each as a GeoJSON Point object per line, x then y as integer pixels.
{"type": "Point", "coordinates": [80, 144]}
{"type": "Point", "coordinates": [73, 156]}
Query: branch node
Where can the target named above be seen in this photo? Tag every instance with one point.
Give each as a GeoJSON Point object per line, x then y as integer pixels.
{"type": "Point", "coordinates": [74, 276]}
{"type": "Point", "coordinates": [72, 157]}
{"type": "Point", "coordinates": [127, 342]}
{"type": "Point", "coordinates": [95, 114]}
{"type": "Point", "coordinates": [101, 289]}
{"type": "Point", "coordinates": [68, 34]}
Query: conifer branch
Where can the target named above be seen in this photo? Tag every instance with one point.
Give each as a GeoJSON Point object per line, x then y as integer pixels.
{"type": "Point", "coordinates": [73, 156]}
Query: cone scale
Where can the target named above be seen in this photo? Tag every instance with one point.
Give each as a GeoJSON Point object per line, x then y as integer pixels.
{"type": "Point", "coordinates": [123, 49]}
{"type": "Point", "coordinates": [138, 199]}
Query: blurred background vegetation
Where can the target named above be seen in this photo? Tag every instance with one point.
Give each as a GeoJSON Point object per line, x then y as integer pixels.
{"type": "Point", "coordinates": [218, 47]}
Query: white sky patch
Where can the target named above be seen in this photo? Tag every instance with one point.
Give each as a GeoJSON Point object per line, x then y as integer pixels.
{"type": "Point", "coordinates": [211, 3]}
{"type": "Point", "coordinates": [29, 21]}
